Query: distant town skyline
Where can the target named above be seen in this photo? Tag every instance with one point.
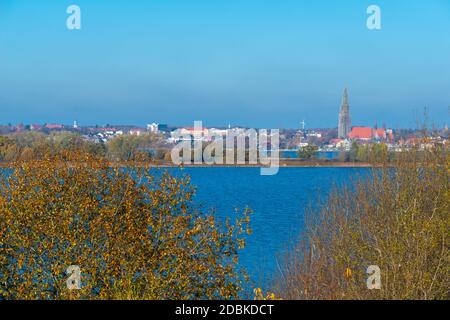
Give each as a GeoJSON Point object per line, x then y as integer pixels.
{"type": "Point", "coordinates": [262, 64]}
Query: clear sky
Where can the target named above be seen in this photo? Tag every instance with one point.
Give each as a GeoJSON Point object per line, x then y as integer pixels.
{"type": "Point", "coordinates": [258, 63]}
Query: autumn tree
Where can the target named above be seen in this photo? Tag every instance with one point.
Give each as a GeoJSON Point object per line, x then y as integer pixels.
{"type": "Point", "coordinates": [31, 145]}
{"type": "Point", "coordinates": [133, 232]}
{"type": "Point", "coordinates": [131, 147]}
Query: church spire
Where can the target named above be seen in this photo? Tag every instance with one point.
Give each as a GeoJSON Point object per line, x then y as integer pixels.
{"type": "Point", "coordinates": [344, 117]}
{"type": "Point", "coordinates": [345, 98]}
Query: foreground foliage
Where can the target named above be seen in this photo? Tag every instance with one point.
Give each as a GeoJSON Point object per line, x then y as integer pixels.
{"type": "Point", "coordinates": [134, 236]}
{"type": "Point", "coordinates": [398, 220]}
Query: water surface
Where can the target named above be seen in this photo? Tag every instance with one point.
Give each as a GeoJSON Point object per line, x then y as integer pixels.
{"type": "Point", "coordinates": [278, 203]}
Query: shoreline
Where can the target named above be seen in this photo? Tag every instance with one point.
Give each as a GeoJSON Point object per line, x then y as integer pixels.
{"type": "Point", "coordinates": [282, 164]}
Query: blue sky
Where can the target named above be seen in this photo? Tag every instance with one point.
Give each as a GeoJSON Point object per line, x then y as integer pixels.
{"type": "Point", "coordinates": [259, 63]}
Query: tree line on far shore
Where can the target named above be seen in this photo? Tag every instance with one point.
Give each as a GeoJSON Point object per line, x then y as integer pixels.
{"type": "Point", "coordinates": [36, 145]}
{"type": "Point", "coordinates": [371, 152]}
{"type": "Point", "coordinates": [145, 147]}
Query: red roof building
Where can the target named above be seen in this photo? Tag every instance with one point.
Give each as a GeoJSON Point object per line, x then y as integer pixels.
{"type": "Point", "coordinates": [366, 133]}
{"type": "Point", "coordinates": [54, 126]}
{"type": "Point", "coordinates": [336, 141]}
{"type": "Point", "coordinates": [194, 131]}
{"type": "Point", "coordinates": [35, 127]}
{"type": "Point", "coordinates": [111, 129]}
{"type": "Point", "coordinates": [137, 131]}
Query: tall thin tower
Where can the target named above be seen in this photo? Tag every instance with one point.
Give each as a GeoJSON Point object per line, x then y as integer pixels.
{"type": "Point", "coordinates": [344, 117]}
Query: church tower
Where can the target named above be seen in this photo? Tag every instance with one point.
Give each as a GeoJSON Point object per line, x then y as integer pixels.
{"type": "Point", "coordinates": [344, 127]}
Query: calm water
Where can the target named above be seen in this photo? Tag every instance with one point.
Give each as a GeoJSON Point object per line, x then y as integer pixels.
{"type": "Point", "coordinates": [278, 203]}
{"type": "Point", "coordinates": [327, 155]}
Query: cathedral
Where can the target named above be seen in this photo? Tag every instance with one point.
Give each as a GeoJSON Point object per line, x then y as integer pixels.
{"type": "Point", "coordinates": [344, 126]}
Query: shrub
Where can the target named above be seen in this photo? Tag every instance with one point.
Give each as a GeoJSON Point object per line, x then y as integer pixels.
{"type": "Point", "coordinates": [132, 147]}
{"type": "Point", "coordinates": [26, 146]}
{"type": "Point", "coordinates": [397, 219]}
{"type": "Point", "coordinates": [307, 152]}
{"type": "Point", "coordinates": [133, 235]}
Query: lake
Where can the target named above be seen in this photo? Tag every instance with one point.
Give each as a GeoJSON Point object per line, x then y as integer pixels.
{"type": "Point", "coordinates": [278, 203]}
{"type": "Point", "coordinates": [324, 155]}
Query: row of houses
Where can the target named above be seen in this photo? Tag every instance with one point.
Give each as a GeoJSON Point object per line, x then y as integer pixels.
{"type": "Point", "coordinates": [362, 135]}
{"type": "Point", "coordinates": [211, 134]}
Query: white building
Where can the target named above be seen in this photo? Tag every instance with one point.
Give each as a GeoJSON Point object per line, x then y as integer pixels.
{"type": "Point", "coordinates": [136, 132]}
{"type": "Point", "coordinates": [153, 127]}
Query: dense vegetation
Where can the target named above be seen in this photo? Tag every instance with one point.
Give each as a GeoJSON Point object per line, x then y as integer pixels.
{"type": "Point", "coordinates": [398, 219]}
{"type": "Point", "coordinates": [307, 152]}
{"type": "Point", "coordinates": [31, 145]}
{"type": "Point", "coordinates": [374, 152]}
{"type": "Point", "coordinates": [133, 235]}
